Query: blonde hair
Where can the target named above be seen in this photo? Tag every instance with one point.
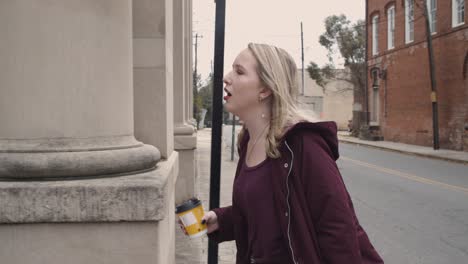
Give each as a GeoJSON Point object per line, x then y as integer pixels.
{"type": "Point", "coordinates": [277, 71]}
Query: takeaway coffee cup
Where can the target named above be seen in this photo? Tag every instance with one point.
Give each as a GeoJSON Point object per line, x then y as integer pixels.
{"type": "Point", "coordinates": [190, 214]}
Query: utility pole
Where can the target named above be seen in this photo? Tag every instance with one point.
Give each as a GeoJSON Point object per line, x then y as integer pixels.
{"type": "Point", "coordinates": [302, 52]}
{"type": "Point", "coordinates": [364, 114]}
{"type": "Point", "coordinates": [435, 111]}
{"type": "Point", "coordinates": [195, 88]}
{"type": "Point", "coordinates": [196, 57]}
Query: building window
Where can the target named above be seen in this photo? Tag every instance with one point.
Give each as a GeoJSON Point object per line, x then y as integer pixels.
{"type": "Point", "coordinates": [375, 99]}
{"type": "Point", "coordinates": [375, 35]}
{"type": "Point", "coordinates": [391, 27]}
{"type": "Point", "coordinates": [409, 21]}
{"type": "Point", "coordinates": [458, 12]}
{"type": "Point", "coordinates": [432, 12]}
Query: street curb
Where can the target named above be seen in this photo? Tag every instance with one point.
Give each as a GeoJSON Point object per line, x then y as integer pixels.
{"type": "Point", "coordinates": [464, 162]}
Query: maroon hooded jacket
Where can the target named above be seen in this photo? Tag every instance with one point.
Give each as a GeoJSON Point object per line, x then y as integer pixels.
{"type": "Point", "coordinates": [316, 215]}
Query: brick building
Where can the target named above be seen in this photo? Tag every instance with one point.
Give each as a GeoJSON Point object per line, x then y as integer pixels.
{"type": "Point", "coordinates": [399, 84]}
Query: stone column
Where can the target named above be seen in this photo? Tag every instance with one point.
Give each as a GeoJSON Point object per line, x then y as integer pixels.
{"type": "Point", "coordinates": [153, 73]}
{"type": "Point", "coordinates": [66, 107]}
{"type": "Point", "coordinates": [67, 112]}
{"type": "Point", "coordinates": [153, 49]}
{"type": "Point", "coordinates": [185, 140]}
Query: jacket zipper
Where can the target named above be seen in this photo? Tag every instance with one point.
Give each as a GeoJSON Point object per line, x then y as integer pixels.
{"type": "Point", "coordinates": [287, 202]}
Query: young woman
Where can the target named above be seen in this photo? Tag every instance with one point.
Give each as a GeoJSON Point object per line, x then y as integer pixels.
{"type": "Point", "coordinates": [289, 202]}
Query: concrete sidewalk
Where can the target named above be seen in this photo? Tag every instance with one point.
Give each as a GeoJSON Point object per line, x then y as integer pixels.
{"type": "Point", "coordinates": [194, 251]}
{"type": "Point", "coordinates": [344, 137]}
{"type": "Point", "coordinates": [442, 154]}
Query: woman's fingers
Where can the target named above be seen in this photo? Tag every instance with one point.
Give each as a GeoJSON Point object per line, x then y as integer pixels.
{"type": "Point", "coordinates": [210, 217]}
{"type": "Point", "coordinates": [211, 221]}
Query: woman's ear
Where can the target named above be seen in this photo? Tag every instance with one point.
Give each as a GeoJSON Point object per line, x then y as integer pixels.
{"type": "Point", "coordinates": [265, 93]}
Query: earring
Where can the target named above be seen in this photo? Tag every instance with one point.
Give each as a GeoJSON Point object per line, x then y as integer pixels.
{"type": "Point", "coordinates": [263, 115]}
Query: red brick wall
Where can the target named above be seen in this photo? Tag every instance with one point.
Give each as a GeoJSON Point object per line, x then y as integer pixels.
{"type": "Point", "coordinates": [405, 94]}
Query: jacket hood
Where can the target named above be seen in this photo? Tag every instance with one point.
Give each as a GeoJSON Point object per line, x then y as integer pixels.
{"type": "Point", "coordinates": [327, 130]}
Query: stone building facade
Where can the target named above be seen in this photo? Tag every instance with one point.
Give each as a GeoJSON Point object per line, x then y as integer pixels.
{"type": "Point", "coordinates": [95, 134]}
{"type": "Point", "coordinates": [399, 85]}
{"type": "Point", "coordinates": [334, 102]}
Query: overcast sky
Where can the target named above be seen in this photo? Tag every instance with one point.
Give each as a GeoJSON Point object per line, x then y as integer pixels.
{"type": "Point", "coordinates": [275, 22]}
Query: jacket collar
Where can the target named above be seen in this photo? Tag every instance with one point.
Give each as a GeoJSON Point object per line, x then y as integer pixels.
{"type": "Point", "coordinates": [326, 130]}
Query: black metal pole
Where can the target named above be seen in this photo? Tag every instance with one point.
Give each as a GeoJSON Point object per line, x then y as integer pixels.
{"type": "Point", "coordinates": [233, 139]}
{"type": "Point", "coordinates": [302, 58]}
{"type": "Point", "coordinates": [217, 117]}
{"type": "Point", "coordinates": [435, 111]}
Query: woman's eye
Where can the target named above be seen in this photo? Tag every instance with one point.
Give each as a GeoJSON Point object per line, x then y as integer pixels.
{"type": "Point", "coordinates": [239, 72]}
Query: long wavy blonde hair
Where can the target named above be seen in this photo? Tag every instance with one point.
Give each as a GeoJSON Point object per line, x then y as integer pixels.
{"type": "Point", "coordinates": [277, 71]}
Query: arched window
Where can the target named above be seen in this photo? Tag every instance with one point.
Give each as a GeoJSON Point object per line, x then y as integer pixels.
{"type": "Point", "coordinates": [409, 21]}
{"type": "Point", "coordinates": [391, 27]}
{"type": "Point", "coordinates": [432, 12]}
{"type": "Point", "coordinates": [375, 35]}
{"type": "Point", "coordinates": [458, 12]}
{"type": "Point", "coordinates": [375, 97]}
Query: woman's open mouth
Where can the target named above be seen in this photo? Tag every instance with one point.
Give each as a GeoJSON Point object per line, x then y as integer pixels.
{"type": "Point", "coordinates": [228, 94]}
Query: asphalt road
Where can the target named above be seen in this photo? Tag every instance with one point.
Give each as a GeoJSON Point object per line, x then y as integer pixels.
{"type": "Point", "coordinates": [414, 209]}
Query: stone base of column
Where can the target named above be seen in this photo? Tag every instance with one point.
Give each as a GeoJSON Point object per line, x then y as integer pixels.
{"type": "Point", "coordinates": [185, 142]}
{"type": "Point", "coordinates": [69, 158]}
{"type": "Point", "coordinates": [78, 243]}
{"type": "Point", "coordinates": [112, 220]}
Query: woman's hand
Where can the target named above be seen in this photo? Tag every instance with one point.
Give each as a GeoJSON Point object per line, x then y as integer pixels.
{"type": "Point", "coordinates": [211, 221]}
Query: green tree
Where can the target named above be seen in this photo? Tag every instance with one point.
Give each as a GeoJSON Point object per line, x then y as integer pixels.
{"type": "Point", "coordinates": [348, 39]}
{"type": "Point", "coordinates": [206, 101]}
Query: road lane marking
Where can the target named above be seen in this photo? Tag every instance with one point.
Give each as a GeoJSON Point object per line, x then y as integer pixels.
{"type": "Point", "coordinates": [406, 175]}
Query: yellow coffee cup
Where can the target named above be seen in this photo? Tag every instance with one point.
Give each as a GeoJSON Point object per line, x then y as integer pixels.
{"type": "Point", "coordinates": [190, 214]}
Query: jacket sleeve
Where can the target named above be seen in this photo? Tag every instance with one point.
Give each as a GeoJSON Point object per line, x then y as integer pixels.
{"type": "Point", "coordinates": [329, 204]}
{"type": "Point", "coordinates": [226, 225]}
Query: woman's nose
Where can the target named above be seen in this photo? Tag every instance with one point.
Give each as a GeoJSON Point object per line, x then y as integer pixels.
{"type": "Point", "coordinates": [226, 79]}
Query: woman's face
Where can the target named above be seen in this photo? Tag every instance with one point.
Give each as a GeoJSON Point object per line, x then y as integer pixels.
{"type": "Point", "coordinates": [242, 85]}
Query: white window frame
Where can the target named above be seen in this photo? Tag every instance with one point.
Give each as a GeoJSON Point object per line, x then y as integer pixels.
{"type": "Point", "coordinates": [409, 21]}
{"type": "Point", "coordinates": [432, 13]}
{"type": "Point", "coordinates": [375, 34]}
{"type": "Point", "coordinates": [391, 27]}
{"type": "Point", "coordinates": [458, 12]}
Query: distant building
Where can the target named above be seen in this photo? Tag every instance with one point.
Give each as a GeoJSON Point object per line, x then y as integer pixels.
{"type": "Point", "coordinates": [333, 102]}
{"type": "Point", "coordinates": [399, 85]}
{"type": "Point", "coordinates": [338, 100]}
{"type": "Point", "coordinates": [310, 96]}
